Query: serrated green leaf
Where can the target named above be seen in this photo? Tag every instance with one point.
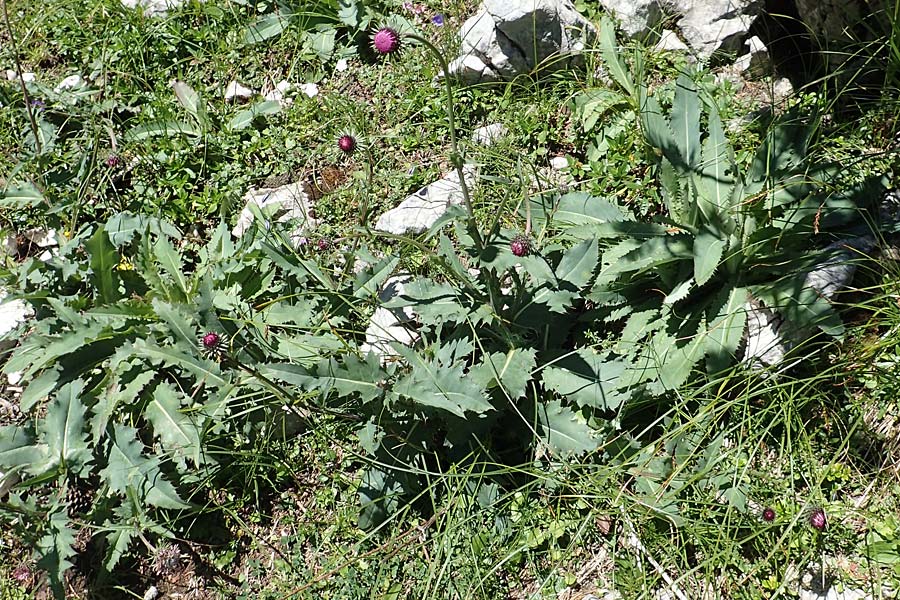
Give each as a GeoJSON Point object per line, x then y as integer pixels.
{"type": "Point", "coordinates": [322, 42]}
{"type": "Point", "coordinates": [715, 182]}
{"type": "Point", "coordinates": [708, 249]}
{"type": "Point", "coordinates": [55, 549]}
{"type": "Point", "coordinates": [24, 195]}
{"type": "Point", "coordinates": [128, 469]}
{"type": "Point", "coordinates": [267, 26]}
{"type": "Point", "coordinates": [442, 386]}
{"type": "Point", "coordinates": [171, 263]}
{"type": "Point", "coordinates": [578, 264]}
{"type": "Point", "coordinates": [350, 376]}
{"type": "Point", "coordinates": [179, 322]}
{"type": "Point", "coordinates": [434, 303]}
{"type": "Point", "coordinates": [177, 431]}
{"type": "Point", "coordinates": [367, 281]}
{"type": "Point", "coordinates": [244, 118]}
{"type": "Point", "coordinates": [510, 370]}
{"type": "Point", "coordinates": [62, 430]}
{"type": "Point", "coordinates": [594, 103]}
{"type": "Point", "coordinates": [192, 103]}
{"type": "Point", "coordinates": [727, 321]}
{"type": "Point", "coordinates": [206, 370]}
{"type": "Point", "coordinates": [587, 379]}
{"type": "Point", "coordinates": [103, 260]}
{"type": "Point", "coordinates": [611, 53]}
{"type": "Point", "coordinates": [17, 447]}
{"type": "Point", "coordinates": [38, 389]}
{"type": "Point", "coordinates": [117, 542]}
{"type": "Point", "coordinates": [165, 128]}
{"type": "Point", "coordinates": [565, 432]}
{"type": "Point", "coordinates": [685, 122]}
{"type": "Point", "coordinates": [348, 13]}
{"type": "Point", "coordinates": [119, 391]}
{"type": "Point", "coordinates": [639, 326]}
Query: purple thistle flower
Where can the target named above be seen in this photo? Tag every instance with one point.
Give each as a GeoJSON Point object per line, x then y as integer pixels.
{"type": "Point", "coordinates": [386, 41]}
{"type": "Point", "coordinates": [438, 20]}
{"type": "Point", "coordinates": [323, 244]}
{"type": "Point", "coordinates": [347, 143]}
{"type": "Point", "coordinates": [768, 514]}
{"type": "Point", "coordinates": [817, 518]}
{"type": "Point", "coordinates": [113, 161]}
{"type": "Point", "coordinates": [210, 340]}
{"type": "Point", "coordinates": [520, 245]}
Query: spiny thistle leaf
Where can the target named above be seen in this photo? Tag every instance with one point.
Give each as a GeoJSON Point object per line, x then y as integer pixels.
{"type": "Point", "coordinates": [510, 370]}
{"type": "Point", "coordinates": [727, 319]}
{"type": "Point", "coordinates": [62, 430]}
{"type": "Point", "coordinates": [441, 386]}
{"type": "Point", "coordinates": [587, 379]}
{"type": "Point", "coordinates": [103, 260]}
{"type": "Point", "coordinates": [128, 469]}
{"type": "Point", "coordinates": [685, 123]}
{"type": "Point", "coordinates": [176, 430]}
{"type": "Point", "coordinates": [715, 181]}
{"type": "Point", "coordinates": [578, 264]}
{"type": "Point", "coordinates": [611, 53]}
{"type": "Point", "coordinates": [708, 250]}
{"type": "Point", "coordinates": [564, 431]}
{"type": "Point", "coordinates": [55, 549]}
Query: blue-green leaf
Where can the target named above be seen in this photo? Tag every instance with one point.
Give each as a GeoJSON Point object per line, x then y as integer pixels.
{"type": "Point", "coordinates": [587, 379]}
{"type": "Point", "coordinates": [564, 431]}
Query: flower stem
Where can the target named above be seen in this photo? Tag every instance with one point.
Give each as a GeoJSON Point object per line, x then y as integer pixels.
{"type": "Point", "coordinates": [455, 155]}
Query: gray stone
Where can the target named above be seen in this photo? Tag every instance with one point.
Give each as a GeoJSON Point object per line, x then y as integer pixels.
{"type": "Point", "coordinates": [710, 26]}
{"type": "Point", "coordinates": [707, 26]}
{"type": "Point", "coordinates": [769, 336]}
{"type": "Point", "coordinates": [507, 38]}
{"type": "Point", "coordinates": [234, 91]}
{"type": "Point", "coordinates": [489, 134]}
{"type": "Point", "coordinates": [390, 325]}
{"type": "Point", "coordinates": [421, 210]}
{"type": "Point", "coordinates": [286, 203]}
{"type": "Point", "coordinates": [153, 7]}
{"type": "Point", "coordinates": [670, 42]}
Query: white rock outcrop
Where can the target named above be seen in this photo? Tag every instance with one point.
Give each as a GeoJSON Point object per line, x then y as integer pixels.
{"type": "Point", "coordinates": [390, 325]}
{"type": "Point", "coordinates": [285, 203]}
{"type": "Point", "coordinates": [421, 210]}
{"type": "Point", "coordinates": [507, 38]}
{"type": "Point", "coordinates": [153, 7]}
{"type": "Point", "coordinates": [706, 26]}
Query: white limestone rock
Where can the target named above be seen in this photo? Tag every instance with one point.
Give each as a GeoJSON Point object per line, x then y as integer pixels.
{"type": "Point", "coordinates": [282, 204]}
{"type": "Point", "coordinates": [707, 26]}
{"type": "Point", "coordinates": [153, 7]}
{"type": "Point", "coordinates": [68, 83]}
{"type": "Point", "coordinates": [507, 38]}
{"type": "Point", "coordinates": [27, 77]}
{"type": "Point", "coordinates": [489, 134]}
{"type": "Point", "coordinates": [421, 210]}
{"type": "Point", "coordinates": [670, 42]}
{"type": "Point", "coordinates": [235, 91]}
{"type": "Point", "coordinates": [390, 325]}
{"type": "Point", "coordinates": [769, 336]}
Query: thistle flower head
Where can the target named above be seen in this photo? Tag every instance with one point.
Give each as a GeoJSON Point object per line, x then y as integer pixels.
{"type": "Point", "coordinates": [520, 245]}
{"type": "Point", "coordinates": [323, 244]}
{"type": "Point", "coordinates": [386, 41]}
{"type": "Point", "coordinates": [347, 143]}
{"type": "Point", "coordinates": [817, 518]}
{"type": "Point", "coordinates": [211, 343]}
{"type": "Point", "coordinates": [768, 514]}
{"type": "Point", "coordinates": [113, 161]}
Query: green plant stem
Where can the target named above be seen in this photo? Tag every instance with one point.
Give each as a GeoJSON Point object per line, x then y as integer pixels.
{"type": "Point", "coordinates": [455, 155]}
{"type": "Point", "coordinates": [15, 48]}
